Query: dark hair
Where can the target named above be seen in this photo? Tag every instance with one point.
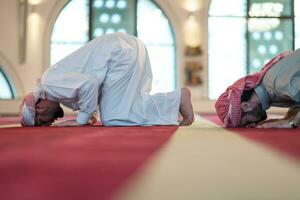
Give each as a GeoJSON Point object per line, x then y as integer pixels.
{"type": "Point", "coordinates": [59, 113]}
{"type": "Point", "coordinates": [246, 95]}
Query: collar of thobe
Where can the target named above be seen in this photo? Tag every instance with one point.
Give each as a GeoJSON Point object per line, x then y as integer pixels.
{"type": "Point", "coordinates": [263, 96]}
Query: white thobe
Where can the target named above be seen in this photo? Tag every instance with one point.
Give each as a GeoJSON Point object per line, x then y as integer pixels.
{"type": "Point", "coordinates": [114, 73]}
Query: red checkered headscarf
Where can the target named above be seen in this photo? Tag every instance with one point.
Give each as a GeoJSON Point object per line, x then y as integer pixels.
{"type": "Point", "coordinates": [228, 105]}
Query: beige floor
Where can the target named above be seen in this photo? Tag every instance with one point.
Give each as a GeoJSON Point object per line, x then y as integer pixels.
{"type": "Point", "coordinates": [210, 163]}
{"type": "Point", "coordinates": [10, 125]}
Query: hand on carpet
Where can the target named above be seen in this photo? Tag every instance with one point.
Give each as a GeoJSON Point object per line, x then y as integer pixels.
{"type": "Point", "coordinates": [68, 123]}
{"type": "Point", "coordinates": [91, 122]}
{"type": "Point", "coordinates": [275, 123]}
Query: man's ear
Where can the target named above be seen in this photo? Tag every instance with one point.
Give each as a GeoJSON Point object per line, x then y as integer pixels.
{"type": "Point", "coordinates": [246, 106]}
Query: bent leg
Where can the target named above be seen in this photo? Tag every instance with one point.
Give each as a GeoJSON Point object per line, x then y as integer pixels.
{"type": "Point", "coordinates": [157, 109]}
{"type": "Point", "coordinates": [125, 97]}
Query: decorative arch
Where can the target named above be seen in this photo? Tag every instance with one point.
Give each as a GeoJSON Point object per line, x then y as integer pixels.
{"type": "Point", "coordinates": [165, 7]}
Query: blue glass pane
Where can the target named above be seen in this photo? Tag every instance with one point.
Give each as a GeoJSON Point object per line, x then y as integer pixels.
{"type": "Point", "coordinates": [227, 53]}
{"type": "Point", "coordinates": [228, 8]}
{"type": "Point", "coordinates": [160, 44]}
{"type": "Point", "coordinates": [70, 30]}
{"type": "Point", "coordinates": [5, 91]}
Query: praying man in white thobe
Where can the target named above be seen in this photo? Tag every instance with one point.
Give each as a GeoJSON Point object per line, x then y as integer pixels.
{"type": "Point", "coordinates": [112, 73]}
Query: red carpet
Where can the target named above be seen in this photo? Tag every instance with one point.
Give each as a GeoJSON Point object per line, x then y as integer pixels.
{"type": "Point", "coordinates": [284, 140]}
{"type": "Point", "coordinates": [86, 163]}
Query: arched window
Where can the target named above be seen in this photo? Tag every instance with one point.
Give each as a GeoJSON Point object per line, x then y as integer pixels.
{"type": "Point", "coordinates": [138, 17]}
{"type": "Point", "coordinates": [245, 34]}
{"type": "Point", "coordinates": [6, 89]}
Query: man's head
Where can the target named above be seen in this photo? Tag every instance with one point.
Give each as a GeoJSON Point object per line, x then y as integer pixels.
{"type": "Point", "coordinates": [239, 105]}
{"type": "Point", "coordinates": [239, 108]}
{"type": "Point", "coordinates": [46, 112]}
{"type": "Point", "coordinates": [35, 111]}
{"type": "Point", "coordinates": [252, 112]}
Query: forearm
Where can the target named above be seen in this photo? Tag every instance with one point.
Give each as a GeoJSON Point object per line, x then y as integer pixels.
{"type": "Point", "coordinates": [91, 121]}
{"type": "Point", "coordinates": [88, 97]}
{"type": "Point", "coordinates": [291, 120]}
{"type": "Point", "coordinates": [67, 123]}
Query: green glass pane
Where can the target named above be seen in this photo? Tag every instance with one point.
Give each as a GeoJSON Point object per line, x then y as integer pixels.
{"type": "Point", "coordinates": [111, 16]}
{"type": "Point", "coordinates": [267, 41]}
{"type": "Point", "coordinates": [270, 8]}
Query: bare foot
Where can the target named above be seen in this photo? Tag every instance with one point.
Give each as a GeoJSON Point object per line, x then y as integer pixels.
{"type": "Point", "coordinates": [186, 107]}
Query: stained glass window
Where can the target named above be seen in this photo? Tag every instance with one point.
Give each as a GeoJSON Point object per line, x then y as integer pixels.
{"type": "Point", "coordinates": [94, 18]}
{"type": "Point", "coordinates": [6, 89]}
{"type": "Point", "coordinates": [249, 34]}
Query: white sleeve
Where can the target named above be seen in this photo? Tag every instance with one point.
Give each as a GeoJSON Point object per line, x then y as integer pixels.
{"type": "Point", "coordinates": [82, 88]}
{"type": "Point", "coordinates": [88, 97]}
